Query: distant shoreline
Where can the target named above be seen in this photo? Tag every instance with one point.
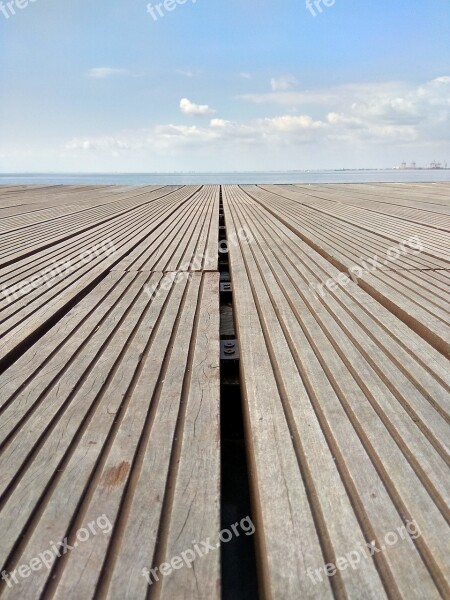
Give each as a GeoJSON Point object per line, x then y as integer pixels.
{"type": "Point", "coordinates": [310, 177]}
{"type": "Point", "coordinates": [181, 173]}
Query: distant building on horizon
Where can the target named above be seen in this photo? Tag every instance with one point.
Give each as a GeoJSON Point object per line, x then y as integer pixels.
{"type": "Point", "coordinates": [434, 165]}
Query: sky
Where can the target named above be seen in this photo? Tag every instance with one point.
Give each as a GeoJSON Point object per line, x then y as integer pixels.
{"type": "Point", "coordinates": [223, 85]}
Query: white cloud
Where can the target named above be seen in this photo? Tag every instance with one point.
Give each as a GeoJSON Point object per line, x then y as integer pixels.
{"type": "Point", "coordinates": [189, 72]}
{"type": "Point", "coordinates": [219, 123]}
{"type": "Point", "coordinates": [323, 96]}
{"type": "Point", "coordinates": [291, 123]}
{"type": "Point", "coordinates": [394, 116]}
{"type": "Point", "coordinates": [198, 110]}
{"type": "Point", "coordinates": [382, 98]}
{"type": "Point", "coordinates": [105, 72]}
{"type": "Point", "coordinates": [102, 143]}
{"type": "Point", "coordinates": [282, 84]}
{"type": "Point", "coordinates": [283, 129]}
{"type": "Point", "coordinates": [245, 75]}
{"type": "Point", "coordinates": [377, 111]}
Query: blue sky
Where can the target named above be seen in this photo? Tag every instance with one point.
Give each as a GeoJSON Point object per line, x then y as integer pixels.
{"type": "Point", "coordinates": [224, 85]}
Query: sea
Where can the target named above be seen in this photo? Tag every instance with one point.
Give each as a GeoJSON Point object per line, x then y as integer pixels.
{"type": "Point", "coordinates": [343, 176]}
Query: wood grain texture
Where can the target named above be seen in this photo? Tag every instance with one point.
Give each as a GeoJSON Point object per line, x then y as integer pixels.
{"type": "Point", "coordinates": [335, 378]}
{"type": "Point", "coordinates": [110, 387]}
{"type": "Point", "coordinates": [111, 416]}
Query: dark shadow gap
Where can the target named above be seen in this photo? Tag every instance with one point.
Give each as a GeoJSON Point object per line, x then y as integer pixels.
{"type": "Point", "coordinates": [239, 573]}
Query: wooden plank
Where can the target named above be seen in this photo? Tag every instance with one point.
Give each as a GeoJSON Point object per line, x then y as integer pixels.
{"type": "Point", "coordinates": [109, 393]}
{"type": "Point", "coordinates": [101, 424]}
{"type": "Point", "coordinates": [17, 244]}
{"type": "Point", "coordinates": [435, 242]}
{"type": "Point", "coordinates": [342, 242]}
{"type": "Point", "coordinates": [21, 317]}
{"type": "Point", "coordinates": [188, 241]}
{"type": "Point", "coordinates": [400, 296]}
{"type": "Point", "coordinates": [61, 208]}
{"type": "Point", "coordinates": [365, 410]}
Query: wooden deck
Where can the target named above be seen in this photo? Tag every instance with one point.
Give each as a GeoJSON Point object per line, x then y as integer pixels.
{"type": "Point", "coordinates": [110, 385]}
